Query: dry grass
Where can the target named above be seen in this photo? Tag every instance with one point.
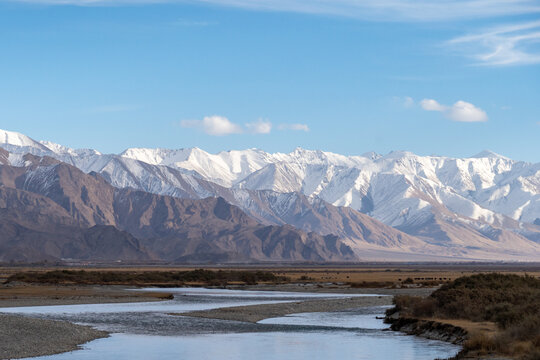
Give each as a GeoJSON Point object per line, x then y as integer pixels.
{"type": "Point", "coordinates": [28, 291]}
{"type": "Point", "coordinates": [359, 276]}
{"type": "Point", "coordinates": [146, 278]}
{"type": "Point", "coordinates": [39, 295]}
{"type": "Point", "coordinates": [478, 303]}
{"type": "Point", "coordinates": [488, 328]}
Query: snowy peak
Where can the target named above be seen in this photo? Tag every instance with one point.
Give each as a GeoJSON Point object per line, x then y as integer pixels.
{"type": "Point", "coordinates": [489, 154]}
{"type": "Point", "coordinates": [64, 150]}
{"type": "Point", "coordinates": [158, 156]}
{"type": "Point", "coordinates": [399, 188]}
{"type": "Point", "coordinates": [372, 155]}
{"type": "Point", "coordinates": [15, 139]}
{"type": "Point", "coordinates": [21, 144]}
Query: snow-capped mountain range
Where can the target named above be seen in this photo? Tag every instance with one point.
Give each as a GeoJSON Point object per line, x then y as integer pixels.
{"type": "Point", "coordinates": [483, 207]}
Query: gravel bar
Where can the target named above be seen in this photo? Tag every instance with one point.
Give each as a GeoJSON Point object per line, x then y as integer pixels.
{"type": "Point", "coordinates": [22, 336]}
{"type": "Point", "coordinates": [254, 313]}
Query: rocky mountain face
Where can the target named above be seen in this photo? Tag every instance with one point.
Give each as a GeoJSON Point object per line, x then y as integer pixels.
{"type": "Point", "coordinates": [394, 207]}
{"type": "Point", "coordinates": [35, 228]}
{"type": "Point", "coordinates": [52, 210]}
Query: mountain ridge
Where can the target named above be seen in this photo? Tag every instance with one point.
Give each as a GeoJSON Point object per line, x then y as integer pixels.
{"type": "Point", "coordinates": [433, 198]}
{"type": "Point", "coordinates": [70, 214]}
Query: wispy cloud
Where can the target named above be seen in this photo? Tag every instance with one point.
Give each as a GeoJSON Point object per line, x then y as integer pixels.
{"type": "Point", "coordinates": [461, 111]}
{"type": "Point", "coordinates": [386, 10]}
{"type": "Point", "coordinates": [294, 127]}
{"type": "Point", "coordinates": [404, 101]}
{"type": "Point", "coordinates": [515, 44]}
{"type": "Point", "coordinates": [220, 126]}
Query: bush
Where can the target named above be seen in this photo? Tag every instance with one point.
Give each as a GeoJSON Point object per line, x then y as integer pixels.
{"type": "Point", "coordinates": [170, 278]}
{"type": "Point", "coordinates": [511, 301]}
{"type": "Point", "coordinates": [481, 345]}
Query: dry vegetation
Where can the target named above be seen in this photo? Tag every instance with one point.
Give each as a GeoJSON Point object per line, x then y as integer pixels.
{"type": "Point", "coordinates": [372, 276]}
{"type": "Point", "coordinates": [146, 278]}
{"type": "Point", "coordinates": [511, 302]}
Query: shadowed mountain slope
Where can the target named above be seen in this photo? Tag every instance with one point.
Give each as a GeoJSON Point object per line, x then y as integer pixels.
{"type": "Point", "coordinates": [52, 210]}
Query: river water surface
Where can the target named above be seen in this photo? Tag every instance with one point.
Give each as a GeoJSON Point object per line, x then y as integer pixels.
{"type": "Point", "coordinates": [147, 331]}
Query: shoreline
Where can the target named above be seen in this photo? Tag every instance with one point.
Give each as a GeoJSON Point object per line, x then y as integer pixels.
{"type": "Point", "coordinates": [24, 295]}
{"type": "Point", "coordinates": [25, 336]}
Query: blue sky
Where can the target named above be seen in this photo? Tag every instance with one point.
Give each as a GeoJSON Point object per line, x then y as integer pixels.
{"type": "Point", "coordinates": [443, 77]}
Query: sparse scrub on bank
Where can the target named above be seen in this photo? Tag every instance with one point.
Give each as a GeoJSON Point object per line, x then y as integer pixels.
{"type": "Point", "coordinates": [371, 284]}
{"type": "Point", "coordinates": [157, 278]}
{"type": "Point", "coordinates": [510, 301]}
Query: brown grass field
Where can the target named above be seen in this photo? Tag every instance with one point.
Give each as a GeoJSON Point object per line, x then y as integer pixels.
{"type": "Point", "coordinates": [368, 274]}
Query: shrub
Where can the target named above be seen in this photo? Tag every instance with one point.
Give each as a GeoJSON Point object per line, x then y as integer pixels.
{"type": "Point", "coordinates": [171, 278]}
{"type": "Point", "coordinates": [481, 344]}
{"type": "Point", "coordinates": [511, 301]}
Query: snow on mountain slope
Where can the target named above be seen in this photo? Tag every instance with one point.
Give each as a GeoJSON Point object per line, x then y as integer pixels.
{"type": "Point", "coordinates": [223, 168]}
{"type": "Point", "coordinates": [470, 187]}
{"type": "Point", "coordinates": [480, 187]}
{"type": "Point", "coordinates": [490, 196]}
{"type": "Point", "coordinates": [10, 140]}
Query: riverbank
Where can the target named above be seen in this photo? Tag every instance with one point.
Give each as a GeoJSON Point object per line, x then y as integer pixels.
{"type": "Point", "coordinates": [22, 294]}
{"type": "Point", "coordinates": [492, 315]}
{"type": "Point", "coordinates": [336, 288]}
{"type": "Point", "coordinates": [23, 336]}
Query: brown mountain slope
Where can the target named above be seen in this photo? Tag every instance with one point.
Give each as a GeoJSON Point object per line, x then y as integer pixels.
{"type": "Point", "coordinates": [64, 199]}
{"type": "Point", "coordinates": [213, 230]}
{"type": "Point", "coordinates": [35, 228]}
{"type": "Point", "coordinates": [4, 154]}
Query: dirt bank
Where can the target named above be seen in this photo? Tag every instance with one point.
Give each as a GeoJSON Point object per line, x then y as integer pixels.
{"type": "Point", "coordinates": [15, 295]}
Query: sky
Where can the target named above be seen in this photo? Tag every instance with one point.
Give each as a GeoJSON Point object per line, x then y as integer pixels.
{"type": "Point", "coordinates": [442, 77]}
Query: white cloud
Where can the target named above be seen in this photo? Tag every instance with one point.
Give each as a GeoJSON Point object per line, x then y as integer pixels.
{"type": "Point", "coordinates": [385, 10]}
{"type": "Point", "coordinates": [220, 126]}
{"type": "Point", "coordinates": [506, 45]}
{"type": "Point", "coordinates": [294, 127]}
{"type": "Point", "coordinates": [259, 127]}
{"type": "Point", "coordinates": [466, 112]}
{"type": "Point", "coordinates": [213, 125]}
{"type": "Point", "coordinates": [431, 105]}
{"type": "Point", "coordinates": [461, 111]}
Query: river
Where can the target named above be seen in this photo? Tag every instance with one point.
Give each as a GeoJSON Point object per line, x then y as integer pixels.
{"type": "Point", "coordinates": [148, 331]}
